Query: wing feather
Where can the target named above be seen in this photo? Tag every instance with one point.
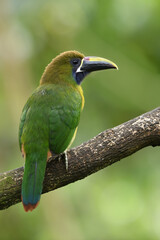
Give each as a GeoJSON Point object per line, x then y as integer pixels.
{"type": "Point", "coordinates": [63, 121]}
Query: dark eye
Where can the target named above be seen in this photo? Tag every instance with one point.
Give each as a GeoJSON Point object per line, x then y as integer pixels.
{"type": "Point", "coordinates": [75, 62]}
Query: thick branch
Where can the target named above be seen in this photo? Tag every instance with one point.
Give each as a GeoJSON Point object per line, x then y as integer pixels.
{"type": "Point", "coordinates": [103, 150]}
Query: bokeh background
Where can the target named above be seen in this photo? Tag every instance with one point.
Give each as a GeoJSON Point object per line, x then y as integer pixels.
{"type": "Point", "coordinates": [121, 202]}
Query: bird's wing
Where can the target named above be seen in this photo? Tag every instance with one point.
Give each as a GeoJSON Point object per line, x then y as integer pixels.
{"type": "Point", "coordinates": [62, 109]}
{"type": "Point", "coordinates": [63, 121]}
{"type": "Point", "coordinates": [22, 121]}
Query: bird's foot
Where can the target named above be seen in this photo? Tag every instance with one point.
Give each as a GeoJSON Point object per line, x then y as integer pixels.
{"type": "Point", "coordinates": [52, 155]}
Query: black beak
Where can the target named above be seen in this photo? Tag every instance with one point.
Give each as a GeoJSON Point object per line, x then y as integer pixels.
{"type": "Point", "coordinates": [90, 64]}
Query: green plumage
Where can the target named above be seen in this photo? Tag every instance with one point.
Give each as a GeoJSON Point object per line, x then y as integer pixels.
{"type": "Point", "coordinates": [51, 115]}
{"type": "Point", "coordinates": [49, 120]}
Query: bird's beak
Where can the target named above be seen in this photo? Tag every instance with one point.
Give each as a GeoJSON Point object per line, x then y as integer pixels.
{"type": "Point", "coordinates": [90, 64]}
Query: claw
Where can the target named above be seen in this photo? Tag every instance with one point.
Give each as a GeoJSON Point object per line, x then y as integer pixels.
{"type": "Point", "coordinates": [66, 160]}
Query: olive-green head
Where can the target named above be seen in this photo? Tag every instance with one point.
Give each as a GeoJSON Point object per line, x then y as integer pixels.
{"type": "Point", "coordinates": [72, 67]}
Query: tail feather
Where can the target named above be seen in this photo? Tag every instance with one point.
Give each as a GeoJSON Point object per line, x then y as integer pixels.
{"type": "Point", "coordinates": [32, 184]}
{"type": "Point", "coordinates": [29, 207]}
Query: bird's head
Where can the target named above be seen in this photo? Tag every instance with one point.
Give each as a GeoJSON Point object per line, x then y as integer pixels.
{"type": "Point", "coordinates": [72, 66]}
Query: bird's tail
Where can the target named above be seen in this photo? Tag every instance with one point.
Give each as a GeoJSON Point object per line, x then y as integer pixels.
{"type": "Point", "coordinates": [35, 165]}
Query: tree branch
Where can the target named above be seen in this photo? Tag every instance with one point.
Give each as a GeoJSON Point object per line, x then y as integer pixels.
{"type": "Point", "coordinates": [101, 151]}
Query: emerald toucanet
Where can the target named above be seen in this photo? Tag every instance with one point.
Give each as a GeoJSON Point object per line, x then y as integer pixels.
{"type": "Point", "coordinates": [51, 115]}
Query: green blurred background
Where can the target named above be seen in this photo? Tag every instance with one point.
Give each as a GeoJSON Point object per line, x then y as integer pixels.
{"type": "Point", "coordinates": [121, 202]}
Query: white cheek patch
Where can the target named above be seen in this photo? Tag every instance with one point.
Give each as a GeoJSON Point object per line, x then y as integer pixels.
{"type": "Point", "coordinates": [79, 68]}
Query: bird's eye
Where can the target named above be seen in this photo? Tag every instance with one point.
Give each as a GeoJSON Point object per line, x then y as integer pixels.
{"type": "Point", "coordinates": [75, 61]}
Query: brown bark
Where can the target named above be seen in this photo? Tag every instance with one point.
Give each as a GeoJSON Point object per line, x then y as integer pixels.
{"type": "Point", "coordinates": [103, 150]}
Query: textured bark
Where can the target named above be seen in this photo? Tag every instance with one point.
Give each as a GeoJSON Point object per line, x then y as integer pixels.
{"type": "Point", "coordinates": [103, 150]}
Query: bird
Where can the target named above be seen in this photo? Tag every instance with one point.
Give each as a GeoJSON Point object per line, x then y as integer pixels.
{"type": "Point", "coordinates": [50, 117]}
